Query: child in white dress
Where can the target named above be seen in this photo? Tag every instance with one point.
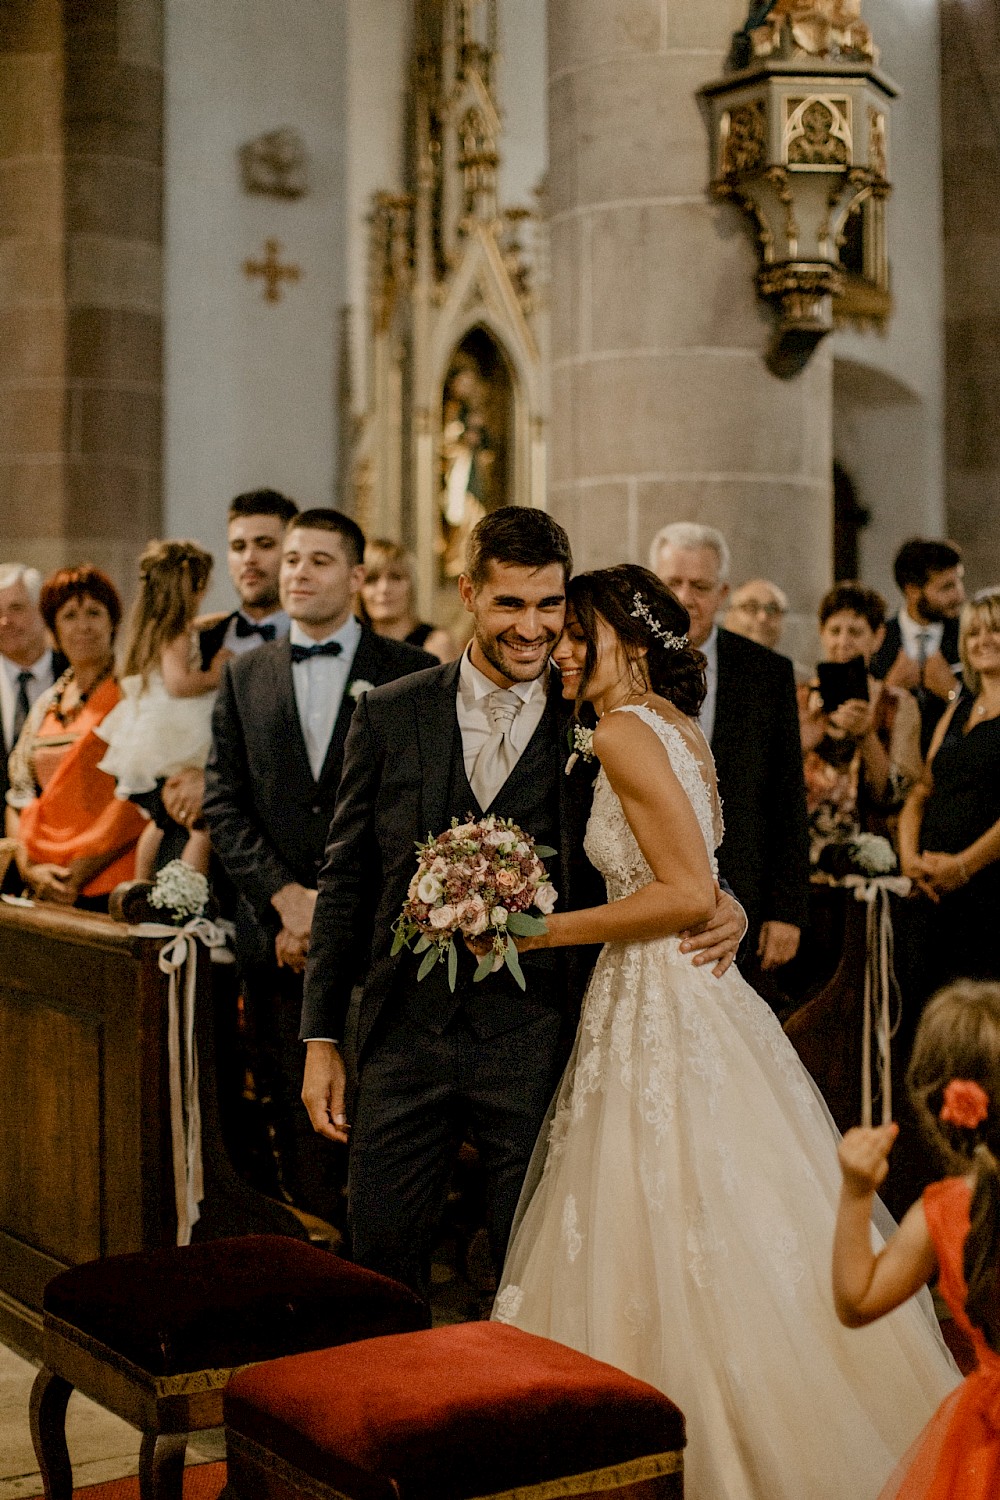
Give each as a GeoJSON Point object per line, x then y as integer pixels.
{"type": "Point", "coordinates": [163, 723]}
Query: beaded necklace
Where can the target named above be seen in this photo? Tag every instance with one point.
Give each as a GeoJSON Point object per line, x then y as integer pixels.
{"type": "Point", "coordinates": [66, 716]}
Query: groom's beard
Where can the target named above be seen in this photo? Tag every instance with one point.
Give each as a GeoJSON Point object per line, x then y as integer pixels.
{"type": "Point", "coordinates": [504, 662]}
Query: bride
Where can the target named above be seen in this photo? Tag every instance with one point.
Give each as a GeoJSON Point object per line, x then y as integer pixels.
{"type": "Point", "coordinates": [678, 1218]}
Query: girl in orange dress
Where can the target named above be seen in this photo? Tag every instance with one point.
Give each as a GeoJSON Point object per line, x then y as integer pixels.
{"type": "Point", "coordinates": [952, 1231]}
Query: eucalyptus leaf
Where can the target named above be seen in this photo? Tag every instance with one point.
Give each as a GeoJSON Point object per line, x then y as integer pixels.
{"type": "Point", "coordinates": [544, 852]}
{"type": "Point", "coordinates": [452, 965]}
{"type": "Point", "coordinates": [513, 963]}
{"type": "Point", "coordinates": [422, 943]}
{"type": "Point", "coordinates": [485, 967]}
{"type": "Point", "coordinates": [524, 926]}
{"type": "Point", "coordinates": [398, 942]}
{"type": "Point", "coordinates": [430, 958]}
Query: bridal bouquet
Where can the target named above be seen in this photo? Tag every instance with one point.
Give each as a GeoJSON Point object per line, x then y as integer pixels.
{"type": "Point", "coordinates": [475, 879]}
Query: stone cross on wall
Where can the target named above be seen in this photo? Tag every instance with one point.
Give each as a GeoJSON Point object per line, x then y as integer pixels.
{"type": "Point", "coordinates": [271, 269]}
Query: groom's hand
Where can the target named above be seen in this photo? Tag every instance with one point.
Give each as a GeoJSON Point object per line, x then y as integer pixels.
{"type": "Point", "coordinates": [323, 1091]}
{"type": "Point", "coordinates": [716, 941]}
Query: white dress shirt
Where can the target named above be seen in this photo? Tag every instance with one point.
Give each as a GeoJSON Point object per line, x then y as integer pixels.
{"type": "Point", "coordinates": [237, 644]}
{"type": "Point", "coordinates": [319, 687]}
{"type": "Point", "coordinates": [911, 630]}
{"type": "Point", "coordinates": [474, 687]}
{"type": "Point", "coordinates": [41, 678]}
{"type": "Point", "coordinates": [710, 651]}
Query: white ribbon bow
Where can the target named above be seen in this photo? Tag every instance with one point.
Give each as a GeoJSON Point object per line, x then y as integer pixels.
{"type": "Point", "coordinates": [179, 957]}
{"type": "Point", "coordinates": [881, 1015]}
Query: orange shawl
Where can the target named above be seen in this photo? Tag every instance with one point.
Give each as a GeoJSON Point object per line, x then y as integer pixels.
{"type": "Point", "coordinates": [78, 814]}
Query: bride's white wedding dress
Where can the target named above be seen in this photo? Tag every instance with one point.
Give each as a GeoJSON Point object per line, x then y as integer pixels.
{"type": "Point", "coordinates": [681, 1220]}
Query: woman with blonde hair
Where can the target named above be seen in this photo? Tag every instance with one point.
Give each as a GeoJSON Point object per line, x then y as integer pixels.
{"type": "Point", "coordinates": [163, 724]}
{"type": "Point", "coordinates": [949, 832]}
{"type": "Point", "coordinates": [386, 602]}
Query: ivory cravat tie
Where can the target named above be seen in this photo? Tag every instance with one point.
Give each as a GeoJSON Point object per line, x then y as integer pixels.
{"type": "Point", "coordinates": [497, 758]}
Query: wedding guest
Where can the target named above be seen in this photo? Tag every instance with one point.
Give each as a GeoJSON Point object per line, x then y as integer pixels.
{"type": "Point", "coordinates": [951, 1235]}
{"type": "Point", "coordinates": [949, 832]}
{"type": "Point", "coordinates": [387, 601]}
{"type": "Point", "coordinates": [750, 719]}
{"type": "Point", "coordinates": [279, 727]}
{"type": "Point", "coordinates": [920, 650]}
{"type": "Point", "coordinates": [256, 529]}
{"type": "Point", "coordinates": [162, 726]}
{"type": "Point", "coordinates": [861, 756]}
{"type": "Point", "coordinates": [27, 663]}
{"type": "Point", "coordinates": [757, 610]}
{"type": "Point", "coordinates": [75, 839]}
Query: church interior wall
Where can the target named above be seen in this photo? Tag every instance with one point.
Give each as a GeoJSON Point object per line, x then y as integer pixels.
{"type": "Point", "coordinates": [250, 384]}
{"type": "Point", "coordinates": [971, 157]}
{"type": "Point", "coordinates": [889, 423]}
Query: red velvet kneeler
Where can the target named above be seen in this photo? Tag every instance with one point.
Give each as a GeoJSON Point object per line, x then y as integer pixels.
{"type": "Point", "coordinates": [462, 1413]}
{"type": "Point", "coordinates": [154, 1336]}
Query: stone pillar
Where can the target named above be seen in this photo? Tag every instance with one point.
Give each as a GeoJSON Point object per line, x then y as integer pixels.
{"type": "Point", "coordinates": [662, 407]}
{"type": "Point", "coordinates": [970, 65]}
{"type": "Point", "coordinates": [80, 236]}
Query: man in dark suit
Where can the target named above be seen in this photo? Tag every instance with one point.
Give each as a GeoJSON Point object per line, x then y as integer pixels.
{"type": "Point", "coordinates": [750, 718]}
{"type": "Point", "coordinates": [28, 665]}
{"type": "Point", "coordinates": [432, 1062]}
{"type": "Point", "coordinates": [279, 728]}
{"type": "Point", "coordinates": [920, 649]}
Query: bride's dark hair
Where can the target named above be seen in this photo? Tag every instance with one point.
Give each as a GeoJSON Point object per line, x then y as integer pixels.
{"type": "Point", "coordinates": [629, 598]}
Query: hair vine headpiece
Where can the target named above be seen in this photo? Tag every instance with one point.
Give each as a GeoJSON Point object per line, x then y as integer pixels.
{"type": "Point", "coordinates": [641, 611]}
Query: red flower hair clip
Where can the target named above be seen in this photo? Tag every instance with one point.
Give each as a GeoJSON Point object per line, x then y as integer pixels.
{"type": "Point", "coordinates": [966, 1104]}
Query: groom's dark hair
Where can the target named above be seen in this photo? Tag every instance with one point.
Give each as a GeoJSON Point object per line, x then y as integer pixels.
{"type": "Point", "coordinates": [518, 535]}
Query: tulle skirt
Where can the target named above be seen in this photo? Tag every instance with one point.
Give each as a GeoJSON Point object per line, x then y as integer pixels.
{"type": "Point", "coordinates": [678, 1223]}
{"type": "Point", "coordinates": [957, 1456]}
{"type": "Point", "coordinates": [151, 735]}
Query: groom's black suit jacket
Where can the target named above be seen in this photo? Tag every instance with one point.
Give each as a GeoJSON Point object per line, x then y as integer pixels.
{"type": "Point", "coordinates": [394, 791]}
{"type": "Point", "coordinates": [269, 817]}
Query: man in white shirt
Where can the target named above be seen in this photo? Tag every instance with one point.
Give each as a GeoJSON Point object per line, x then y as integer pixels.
{"type": "Point", "coordinates": [27, 663]}
{"type": "Point", "coordinates": [256, 533]}
{"type": "Point", "coordinates": [279, 727]}
{"type": "Point", "coordinates": [920, 649]}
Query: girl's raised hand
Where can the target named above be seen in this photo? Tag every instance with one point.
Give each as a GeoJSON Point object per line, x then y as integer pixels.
{"type": "Point", "coordinates": [864, 1158]}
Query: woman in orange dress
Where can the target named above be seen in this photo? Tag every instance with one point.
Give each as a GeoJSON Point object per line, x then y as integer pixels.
{"type": "Point", "coordinates": [75, 840]}
{"type": "Point", "coordinates": [952, 1231]}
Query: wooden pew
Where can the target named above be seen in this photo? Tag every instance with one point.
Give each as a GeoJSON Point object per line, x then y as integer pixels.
{"type": "Point", "coordinates": [85, 1165]}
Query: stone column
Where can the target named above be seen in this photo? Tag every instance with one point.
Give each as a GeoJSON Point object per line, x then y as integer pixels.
{"type": "Point", "coordinates": [662, 407]}
{"type": "Point", "coordinates": [970, 87]}
{"type": "Point", "coordinates": [80, 236]}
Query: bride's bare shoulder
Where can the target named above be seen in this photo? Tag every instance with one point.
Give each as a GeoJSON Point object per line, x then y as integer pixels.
{"type": "Point", "coordinates": [625, 742]}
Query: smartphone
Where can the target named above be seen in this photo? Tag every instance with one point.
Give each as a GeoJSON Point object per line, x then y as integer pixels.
{"type": "Point", "coordinates": [840, 681]}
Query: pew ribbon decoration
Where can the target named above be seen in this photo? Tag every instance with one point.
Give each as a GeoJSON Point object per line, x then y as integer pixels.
{"type": "Point", "coordinates": [178, 959]}
{"type": "Point", "coordinates": [883, 1001]}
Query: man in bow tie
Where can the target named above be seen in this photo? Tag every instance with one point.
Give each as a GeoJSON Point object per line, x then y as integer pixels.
{"type": "Point", "coordinates": [256, 530]}
{"type": "Point", "coordinates": [280, 723]}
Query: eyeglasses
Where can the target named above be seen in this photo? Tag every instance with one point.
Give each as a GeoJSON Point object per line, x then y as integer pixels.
{"type": "Point", "coordinates": [760, 607]}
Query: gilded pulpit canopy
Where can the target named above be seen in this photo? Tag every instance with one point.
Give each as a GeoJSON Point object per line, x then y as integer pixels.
{"type": "Point", "coordinates": [799, 142]}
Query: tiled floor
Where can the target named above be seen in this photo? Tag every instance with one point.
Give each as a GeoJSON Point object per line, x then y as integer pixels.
{"type": "Point", "coordinates": [100, 1446]}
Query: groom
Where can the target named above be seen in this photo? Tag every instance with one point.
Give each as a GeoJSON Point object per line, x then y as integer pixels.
{"type": "Point", "coordinates": [484, 734]}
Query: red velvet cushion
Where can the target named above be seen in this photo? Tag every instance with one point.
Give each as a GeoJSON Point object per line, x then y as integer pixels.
{"type": "Point", "coordinates": [459, 1411]}
{"type": "Point", "coordinates": [228, 1302]}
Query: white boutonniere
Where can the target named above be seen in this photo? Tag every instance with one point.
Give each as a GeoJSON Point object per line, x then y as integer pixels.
{"type": "Point", "coordinates": [359, 686]}
{"type": "Point", "coordinates": [581, 742]}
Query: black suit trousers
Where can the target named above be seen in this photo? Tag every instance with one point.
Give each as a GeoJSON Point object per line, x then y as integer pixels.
{"type": "Point", "coordinates": [419, 1094]}
{"type": "Point", "coordinates": [312, 1170]}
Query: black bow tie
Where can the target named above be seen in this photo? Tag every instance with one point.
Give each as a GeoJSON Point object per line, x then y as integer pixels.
{"type": "Point", "coordinates": [327, 648]}
{"type": "Point", "coordinates": [245, 627]}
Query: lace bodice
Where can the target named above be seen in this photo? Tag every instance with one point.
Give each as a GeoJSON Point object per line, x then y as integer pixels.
{"type": "Point", "coordinates": [611, 845]}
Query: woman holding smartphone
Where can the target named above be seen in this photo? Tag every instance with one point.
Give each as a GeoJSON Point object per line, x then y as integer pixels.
{"type": "Point", "coordinates": [861, 754]}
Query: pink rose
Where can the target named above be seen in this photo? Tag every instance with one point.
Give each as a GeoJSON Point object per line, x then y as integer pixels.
{"type": "Point", "coordinates": [443, 916]}
{"type": "Point", "coordinates": [474, 917]}
{"type": "Point", "coordinates": [506, 880]}
{"type": "Point", "coordinates": [545, 898]}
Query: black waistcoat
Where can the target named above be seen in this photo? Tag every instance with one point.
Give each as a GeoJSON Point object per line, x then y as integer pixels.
{"type": "Point", "coordinates": [531, 797]}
